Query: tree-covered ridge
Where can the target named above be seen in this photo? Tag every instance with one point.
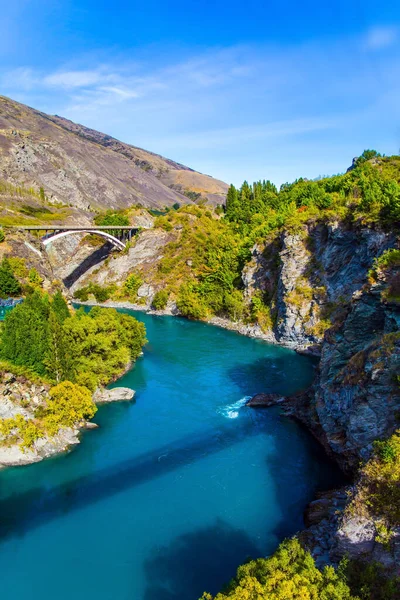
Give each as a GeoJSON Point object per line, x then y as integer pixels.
{"type": "Point", "coordinates": [368, 193]}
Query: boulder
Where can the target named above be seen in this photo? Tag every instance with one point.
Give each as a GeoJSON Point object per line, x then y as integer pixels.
{"type": "Point", "coordinates": [265, 400]}
{"type": "Point", "coordinates": [101, 396]}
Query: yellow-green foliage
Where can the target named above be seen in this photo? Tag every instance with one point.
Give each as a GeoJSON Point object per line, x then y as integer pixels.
{"type": "Point", "coordinates": [132, 285]}
{"type": "Point", "coordinates": [160, 299]}
{"type": "Point", "coordinates": [102, 343]}
{"type": "Point", "coordinates": [35, 278]}
{"type": "Point", "coordinates": [290, 574]}
{"type": "Point", "coordinates": [319, 328]}
{"type": "Point", "coordinates": [380, 480]}
{"type": "Point", "coordinates": [18, 266]}
{"type": "Point", "coordinates": [8, 189]}
{"type": "Point", "coordinates": [261, 313]}
{"type": "Point", "coordinates": [388, 260]}
{"type": "Point", "coordinates": [68, 405]}
{"type": "Point", "coordinates": [20, 430]}
{"type": "Point", "coordinates": [302, 294]}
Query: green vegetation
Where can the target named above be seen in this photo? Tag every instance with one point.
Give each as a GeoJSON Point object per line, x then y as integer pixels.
{"type": "Point", "coordinates": [101, 294]}
{"type": "Point", "coordinates": [67, 405]}
{"type": "Point", "coordinates": [379, 489]}
{"type": "Point", "coordinates": [132, 285]}
{"type": "Point", "coordinates": [160, 300]}
{"type": "Point", "coordinates": [89, 348]}
{"type": "Point", "coordinates": [369, 193]}
{"type": "Point", "coordinates": [102, 342]}
{"type": "Point", "coordinates": [9, 284]}
{"type": "Point", "coordinates": [112, 218]}
{"type": "Point", "coordinates": [289, 574]}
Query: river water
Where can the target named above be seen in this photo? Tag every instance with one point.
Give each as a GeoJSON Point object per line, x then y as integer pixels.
{"type": "Point", "coordinates": [174, 490]}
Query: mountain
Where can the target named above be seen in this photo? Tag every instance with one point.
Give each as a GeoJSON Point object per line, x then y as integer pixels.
{"type": "Point", "coordinates": [89, 170]}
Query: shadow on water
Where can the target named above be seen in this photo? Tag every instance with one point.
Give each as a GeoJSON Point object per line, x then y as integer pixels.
{"type": "Point", "coordinates": [206, 559]}
{"type": "Point", "coordinates": [90, 261]}
{"type": "Point", "coordinates": [285, 374]}
{"type": "Point", "coordinates": [196, 562]}
{"type": "Point", "coordinates": [22, 512]}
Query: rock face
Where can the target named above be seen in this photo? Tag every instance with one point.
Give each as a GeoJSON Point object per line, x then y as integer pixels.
{"type": "Point", "coordinates": [309, 276]}
{"type": "Point", "coordinates": [119, 394]}
{"type": "Point", "coordinates": [87, 169]}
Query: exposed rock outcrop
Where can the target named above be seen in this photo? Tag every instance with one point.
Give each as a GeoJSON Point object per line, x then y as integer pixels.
{"type": "Point", "coordinates": [265, 400]}
{"type": "Point", "coordinates": [118, 394]}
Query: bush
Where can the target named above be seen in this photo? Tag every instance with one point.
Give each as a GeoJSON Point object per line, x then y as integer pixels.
{"type": "Point", "coordinates": [132, 285]}
{"type": "Point", "coordinates": [160, 300]}
{"type": "Point", "coordinates": [34, 278]}
{"type": "Point", "coordinates": [2, 235]}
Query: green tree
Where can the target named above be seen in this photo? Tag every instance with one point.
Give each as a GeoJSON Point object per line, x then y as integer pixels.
{"type": "Point", "coordinates": [60, 307]}
{"type": "Point", "coordinates": [112, 218]}
{"type": "Point", "coordinates": [25, 336]}
{"type": "Point", "coordinates": [9, 285]}
{"type": "Point", "coordinates": [58, 361]}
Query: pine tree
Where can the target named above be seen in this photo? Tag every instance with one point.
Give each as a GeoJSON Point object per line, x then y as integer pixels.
{"type": "Point", "coordinates": [57, 360]}
{"type": "Point", "coordinates": [9, 285]}
{"type": "Point", "coordinates": [60, 307]}
{"type": "Point", "coordinates": [232, 203]}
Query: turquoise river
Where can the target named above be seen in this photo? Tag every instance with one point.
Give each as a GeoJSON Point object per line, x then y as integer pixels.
{"type": "Point", "coordinates": [174, 490]}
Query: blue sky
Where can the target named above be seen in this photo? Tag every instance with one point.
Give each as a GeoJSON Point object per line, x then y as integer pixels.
{"type": "Point", "coordinates": [239, 90]}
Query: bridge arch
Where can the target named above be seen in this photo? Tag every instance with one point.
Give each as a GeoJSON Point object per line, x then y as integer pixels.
{"type": "Point", "coordinates": [107, 236]}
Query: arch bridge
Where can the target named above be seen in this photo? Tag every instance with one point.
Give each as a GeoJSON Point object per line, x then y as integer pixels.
{"type": "Point", "coordinates": [118, 236]}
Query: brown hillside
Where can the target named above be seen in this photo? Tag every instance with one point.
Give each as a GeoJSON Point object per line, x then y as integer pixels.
{"type": "Point", "coordinates": [87, 169]}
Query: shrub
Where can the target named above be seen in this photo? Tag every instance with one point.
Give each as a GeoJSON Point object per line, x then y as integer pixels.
{"type": "Point", "coordinates": [102, 343]}
{"type": "Point", "coordinates": [2, 235]}
{"type": "Point", "coordinates": [160, 300]}
{"type": "Point", "coordinates": [34, 278]}
{"type": "Point", "coordinates": [132, 285]}
{"type": "Point", "coordinates": [18, 266]}
{"type": "Point", "coordinates": [379, 487]}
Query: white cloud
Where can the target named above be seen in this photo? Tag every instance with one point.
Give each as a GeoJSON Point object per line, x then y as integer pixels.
{"type": "Point", "coordinates": [381, 37]}
{"type": "Point", "coordinates": [224, 138]}
{"type": "Point", "coordinates": [73, 79]}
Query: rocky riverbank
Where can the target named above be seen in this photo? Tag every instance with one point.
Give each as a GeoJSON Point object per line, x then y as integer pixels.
{"type": "Point", "coordinates": [19, 396]}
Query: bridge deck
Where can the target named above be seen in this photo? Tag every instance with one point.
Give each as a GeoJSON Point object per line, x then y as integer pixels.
{"type": "Point", "coordinates": [75, 228]}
